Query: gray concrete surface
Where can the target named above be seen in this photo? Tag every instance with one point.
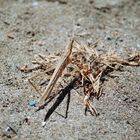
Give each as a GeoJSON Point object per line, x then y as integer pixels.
{"type": "Point", "coordinates": [23, 24]}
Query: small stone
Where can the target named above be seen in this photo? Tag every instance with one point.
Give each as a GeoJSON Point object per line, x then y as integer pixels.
{"type": "Point", "coordinates": [33, 103]}
{"type": "Point", "coordinates": [35, 4]}
{"type": "Point", "coordinates": [109, 38]}
{"type": "Point", "coordinates": [7, 129]}
{"type": "Point", "coordinates": [43, 124]}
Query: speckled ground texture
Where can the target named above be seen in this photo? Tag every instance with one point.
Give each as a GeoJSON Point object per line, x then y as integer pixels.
{"type": "Point", "coordinates": [29, 27]}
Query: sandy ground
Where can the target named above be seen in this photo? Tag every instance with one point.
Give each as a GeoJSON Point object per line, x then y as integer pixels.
{"type": "Point", "coordinates": [29, 27]}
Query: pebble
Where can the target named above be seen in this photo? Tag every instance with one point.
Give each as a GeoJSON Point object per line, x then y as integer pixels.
{"type": "Point", "coordinates": [33, 103]}
{"type": "Point", "coordinates": [43, 124]}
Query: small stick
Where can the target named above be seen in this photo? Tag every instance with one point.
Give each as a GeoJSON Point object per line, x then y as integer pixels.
{"type": "Point", "coordinates": [58, 71]}
{"type": "Point", "coordinates": [89, 106]}
{"type": "Point", "coordinates": [12, 129]}
{"type": "Point", "coordinates": [29, 80]}
{"type": "Point", "coordinates": [25, 69]}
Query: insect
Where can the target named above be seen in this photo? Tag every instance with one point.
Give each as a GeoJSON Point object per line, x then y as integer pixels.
{"type": "Point", "coordinates": [79, 58]}
{"type": "Point", "coordinates": [84, 61]}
